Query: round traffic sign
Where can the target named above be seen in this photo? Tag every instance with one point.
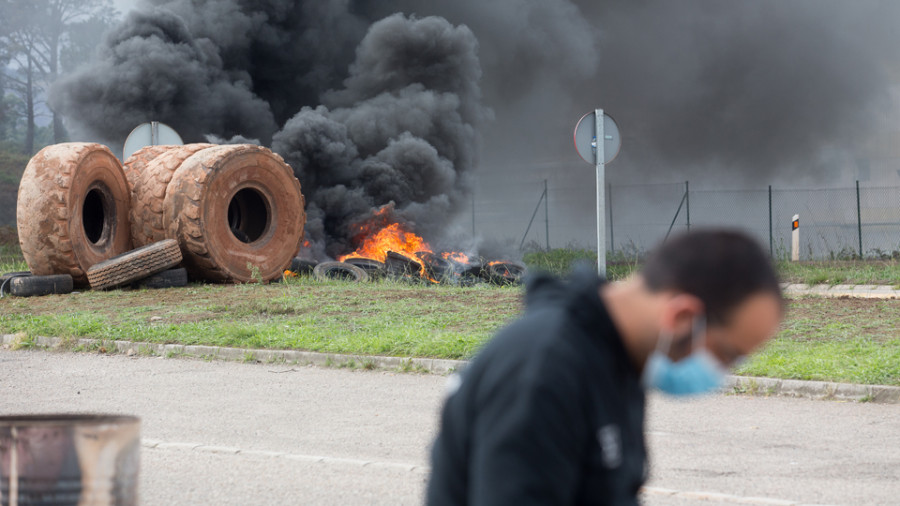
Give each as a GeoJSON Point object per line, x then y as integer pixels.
{"type": "Point", "coordinates": [586, 138]}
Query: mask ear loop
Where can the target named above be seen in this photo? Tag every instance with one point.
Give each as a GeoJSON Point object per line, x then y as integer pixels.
{"type": "Point", "coordinates": [664, 343]}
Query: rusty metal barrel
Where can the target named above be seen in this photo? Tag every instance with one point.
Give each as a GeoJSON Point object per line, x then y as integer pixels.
{"type": "Point", "coordinates": [77, 460]}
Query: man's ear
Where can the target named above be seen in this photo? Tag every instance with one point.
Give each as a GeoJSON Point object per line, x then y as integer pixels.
{"type": "Point", "coordinates": [679, 312]}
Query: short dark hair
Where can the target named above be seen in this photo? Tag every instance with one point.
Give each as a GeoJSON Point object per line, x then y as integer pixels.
{"type": "Point", "coordinates": [721, 267]}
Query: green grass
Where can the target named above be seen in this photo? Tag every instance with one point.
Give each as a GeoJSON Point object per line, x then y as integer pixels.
{"type": "Point", "coordinates": [844, 340]}
{"type": "Point", "coordinates": [867, 272]}
{"type": "Point", "coordinates": [834, 272]}
{"type": "Point", "coordinates": [379, 319]}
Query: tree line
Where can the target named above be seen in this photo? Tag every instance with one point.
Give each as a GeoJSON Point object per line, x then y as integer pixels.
{"type": "Point", "coordinates": [40, 41]}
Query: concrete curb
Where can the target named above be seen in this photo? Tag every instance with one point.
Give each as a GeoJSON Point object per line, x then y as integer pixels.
{"type": "Point", "coordinates": [820, 390]}
{"type": "Point", "coordinates": [813, 389]}
{"type": "Point", "coordinates": [886, 292]}
{"type": "Point", "coordinates": [435, 366]}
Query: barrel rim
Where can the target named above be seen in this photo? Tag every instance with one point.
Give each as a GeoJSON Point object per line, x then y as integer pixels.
{"type": "Point", "coordinates": [66, 419]}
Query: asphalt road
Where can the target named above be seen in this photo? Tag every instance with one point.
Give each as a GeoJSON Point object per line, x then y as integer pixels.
{"type": "Point", "coordinates": [227, 433]}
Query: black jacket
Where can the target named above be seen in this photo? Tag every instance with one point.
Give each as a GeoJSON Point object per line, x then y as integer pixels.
{"type": "Point", "coordinates": [550, 412]}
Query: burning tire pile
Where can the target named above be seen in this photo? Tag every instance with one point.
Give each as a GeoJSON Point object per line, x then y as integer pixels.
{"type": "Point", "coordinates": [388, 249]}
{"type": "Point", "coordinates": [231, 213]}
{"type": "Point", "coordinates": [217, 213]}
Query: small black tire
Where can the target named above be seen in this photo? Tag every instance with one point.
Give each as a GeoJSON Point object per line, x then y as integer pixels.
{"type": "Point", "coordinates": [6, 278]}
{"type": "Point", "coordinates": [505, 273]}
{"type": "Point", "coordinates": [10, 275]}
{"type": "Point", "coordinates": [135, 264]}
{"type": "Point", "coordinates": [400, 266]}
{"type": "Point", "coordinates": [38, 286]}
{"type": "Point", "coordinates": [373, 268]}
{"type": "Point", "coordinates": [302, 266]}
{"type": "Point", "coordinates": [438, 268]}
{"type": "Point", "coordinates": [172, 278]}
{"type": "Point", "coordinates": [328, 271]}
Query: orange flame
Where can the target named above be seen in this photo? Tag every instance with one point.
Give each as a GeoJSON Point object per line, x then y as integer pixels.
{"type": "Point", "coordinates": [456, 256]}
{"type": "Point", "coordinates": [394, 237]}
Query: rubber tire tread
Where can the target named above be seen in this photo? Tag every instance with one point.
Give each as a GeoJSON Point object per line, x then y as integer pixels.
{"type": "Point", "coordinates": [172, 278]}
{"type": "Point", "coordinates": [137, 163]}
{"type": "Point", "coordinates": [44, 196]}
{"type": "Point", "coordinates": [321, 271]}
{"type": "Point", "coordinates": [190, 189]}
{"type": "Point", "coordinates": [149, 193]}
{"type": "Point", "coordinates": [135, 265]}
{"type": "Point", "coordinates": [38, 286]}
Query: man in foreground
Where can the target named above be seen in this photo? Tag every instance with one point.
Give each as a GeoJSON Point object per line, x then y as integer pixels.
{"type": "Point", "coordinates": [552, 410]}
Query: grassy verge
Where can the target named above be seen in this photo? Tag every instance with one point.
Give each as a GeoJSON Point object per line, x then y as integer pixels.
{"type": "Point", "coordinates": [843, 340]}
{"type": "Point", "coordinates": [852, 272]}
{"type": "Point", "coordinates": [380, 319]}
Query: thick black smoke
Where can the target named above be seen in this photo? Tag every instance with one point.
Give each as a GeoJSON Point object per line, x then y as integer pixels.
{"type": "Point", "coordinates": [403, 129]}
{"type": "Point", "coordinates": [370, 107]}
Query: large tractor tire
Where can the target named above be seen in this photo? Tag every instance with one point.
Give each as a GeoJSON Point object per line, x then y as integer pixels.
{"type": "Point", "coordinates": [137, 163]}
{"type": "Point", "coordinates": [149, 192]}
{"type": "Point", "coordinates": [72, 210]}
{"type": "Point", "coordinates": [237, 212]}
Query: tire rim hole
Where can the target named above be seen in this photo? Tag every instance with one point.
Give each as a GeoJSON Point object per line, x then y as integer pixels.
{"type": "Point", "coordinates": [248, 215]}
{"type": "Point", "coordinates": [95, 216]}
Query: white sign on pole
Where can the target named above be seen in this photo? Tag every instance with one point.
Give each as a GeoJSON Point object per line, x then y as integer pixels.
{"type": "Point", "coordinates": [150, 134]}
{"type": "Point", "coordinates": [598, 141]}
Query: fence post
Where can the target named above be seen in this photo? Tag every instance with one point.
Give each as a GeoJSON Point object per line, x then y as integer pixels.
{"type": "Point", "coordinates": [771, 241]}
{"type": "Point", "coordinates": [859, 220]}
{"type": "Point", "coordinates": [687, 193]}
{"type": "Point", "coordinates": [547, 213]}
{"type": "Point", "coordinates": [612, 235]}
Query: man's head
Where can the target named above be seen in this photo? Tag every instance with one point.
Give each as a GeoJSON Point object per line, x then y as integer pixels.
{"type": "Point", "coordinates": [713, 289]}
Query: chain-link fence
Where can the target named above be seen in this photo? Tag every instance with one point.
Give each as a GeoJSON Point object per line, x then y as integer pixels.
{"type": "Point", "coordinates": [514, 211]}
{"type": "Point", "coordinates": [840, 223]}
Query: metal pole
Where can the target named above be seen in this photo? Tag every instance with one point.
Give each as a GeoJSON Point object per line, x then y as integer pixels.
{"type": "Point", "coordinates": [859, 220]}
{"type": "Point", "coordinates": [612, 237]}
{"type": "Point", "coordinates": [687, 197]}
{"type": "Point", "coordinates": [547, 213]}
{"type": "Point", "coordinates": [771, 242]}
{"type": "Point", "coordinates": [601, 190]}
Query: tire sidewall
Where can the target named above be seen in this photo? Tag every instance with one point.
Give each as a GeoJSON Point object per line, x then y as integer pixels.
{"type": "Point", "coordinates": [100, 171]}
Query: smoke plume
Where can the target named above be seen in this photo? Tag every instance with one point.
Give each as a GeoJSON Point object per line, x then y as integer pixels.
{"type": "Point", "coordinates": [372, 107]}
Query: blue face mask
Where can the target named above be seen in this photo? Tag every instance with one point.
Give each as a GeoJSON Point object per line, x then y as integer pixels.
{"type": "Point", "coordinates": [698, 373]}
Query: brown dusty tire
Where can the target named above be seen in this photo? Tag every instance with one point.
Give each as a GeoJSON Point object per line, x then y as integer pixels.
{"type": "Point", "coordinates": [134, 265]}
{"type": "Point", "coordinates": [149, 192]}
{"type": "Point", "coordinates": [72, 209]}
{"type": "Point", "coordinates": [137, 163]}
{"type": "Point", "coordinates": [339, 271]}
{"type": "Point", "coordinates": [236, 211]}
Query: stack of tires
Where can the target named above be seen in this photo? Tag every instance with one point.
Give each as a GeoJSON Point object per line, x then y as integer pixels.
{"type": "Point", "coordinates": [231, 213]}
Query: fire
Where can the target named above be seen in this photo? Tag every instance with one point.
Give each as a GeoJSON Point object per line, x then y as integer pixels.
{"type": "Point", "coordinates": [455, 256]}
{"type": "Point", "coordinates": [394, 237]}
